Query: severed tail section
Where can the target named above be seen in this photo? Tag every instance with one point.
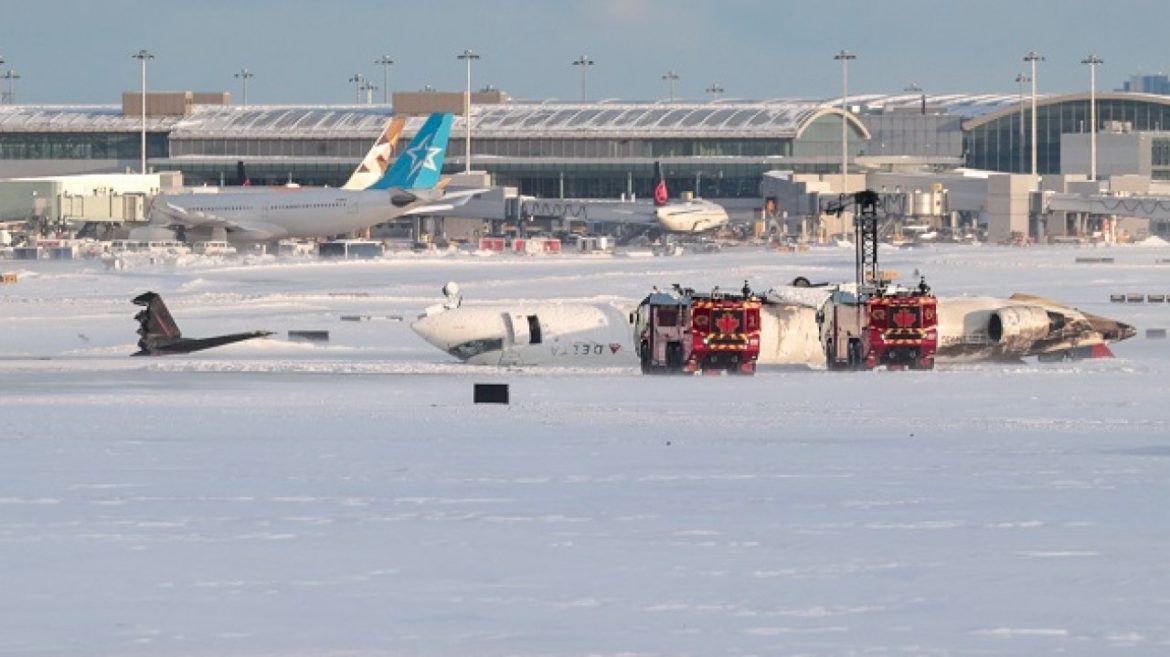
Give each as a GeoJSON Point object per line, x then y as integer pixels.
{"type": "Point", "coordinates": [159, 335]}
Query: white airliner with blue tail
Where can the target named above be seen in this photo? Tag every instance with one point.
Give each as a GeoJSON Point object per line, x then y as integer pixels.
{"type": "Point", "coordinates": [410, 186]}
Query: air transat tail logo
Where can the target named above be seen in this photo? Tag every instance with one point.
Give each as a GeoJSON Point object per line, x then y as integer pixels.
{"type": "Point", "coordinates": [422, 155]}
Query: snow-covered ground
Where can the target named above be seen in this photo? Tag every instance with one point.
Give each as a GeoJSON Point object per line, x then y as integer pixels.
{"type": "Point", "coordinates": [278, 498]}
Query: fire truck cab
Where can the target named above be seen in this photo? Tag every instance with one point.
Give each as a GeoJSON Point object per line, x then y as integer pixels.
{"type": "Point", "coordinates": [685, 331]}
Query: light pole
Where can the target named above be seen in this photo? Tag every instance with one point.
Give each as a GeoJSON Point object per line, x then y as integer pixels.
{"type": "Point", "coordinates": [243, 76]}
{"type": "Point", "coordinates": [914, 88]}
{"type": "Point", "coordinates": [467, 56]}
{"type": "Point", "coordinates": [583, 62]}
{"type": "Point", "coordinates": [1032, 57]}
{"type": "Point", "coordinates": [1020, 80]}
{"type": "Point", "coordinates": [844, 56]}
{"type": "Point", "coordinates": [1092, 61]}
{"type": "Point", "coordinates": [385, 61]}
{"type": "Point", "coordinates": [10, 96]}
{"type": "Point", "coordinates": [369, 88]}
{"type": "Point", "coordinates": [142, 56]}
{"type": "Point", "coordinates": [357, 79]}
{"type": "Point", "coordinates": [716, 90]}
{"type": "Point", "coordinates": [670, 77]}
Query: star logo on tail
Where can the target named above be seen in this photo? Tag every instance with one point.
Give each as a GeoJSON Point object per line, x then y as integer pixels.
{"type": "Point", "coordinates": [422, 155]}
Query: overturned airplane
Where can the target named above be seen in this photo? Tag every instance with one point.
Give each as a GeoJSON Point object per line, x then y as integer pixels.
{"type": "Point", "coordinates": [160, 335]}
{"type": "Point", "coordinates": [970, 330]}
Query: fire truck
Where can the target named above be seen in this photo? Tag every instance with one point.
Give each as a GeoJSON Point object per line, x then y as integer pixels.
{"type": "Point", "coordinates": [684, 331]}
{"type": "Point", "coordinates": [870, 323]}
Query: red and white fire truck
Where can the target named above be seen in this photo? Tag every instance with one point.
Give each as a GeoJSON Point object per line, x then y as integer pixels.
{"type": "Point", "coordinates": [870, 323]}
{"type": "Point", "coordinates": [683, 331]}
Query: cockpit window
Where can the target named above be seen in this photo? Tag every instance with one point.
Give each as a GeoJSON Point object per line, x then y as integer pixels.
{"type": "Point", "coordinates": [474, 348]}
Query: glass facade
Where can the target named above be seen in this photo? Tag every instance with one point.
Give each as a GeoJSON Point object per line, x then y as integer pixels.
{"type": "Point", "coordinates": [612, 180]}
{"type": "Point", "coordinates": [617, 147]}
{"type": "Point", "coordinates": [245, 147]}
{"type": "Point", "coordinates": [1004, 144]}
{"type": "Point", "coordinates": [80, 145]}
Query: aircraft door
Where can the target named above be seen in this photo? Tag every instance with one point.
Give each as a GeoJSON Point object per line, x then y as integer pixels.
{"type": "Point", "coordinates": [351, 206]}
{"type": "Point", "coordinates": [516, 327]}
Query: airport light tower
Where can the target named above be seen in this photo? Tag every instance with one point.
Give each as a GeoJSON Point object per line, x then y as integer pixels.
{"type": "Point", "coordinates": [369, 88]}
{"type": "Point", "coordinates": [243, 76]}
{"type": "Point", "coordinates": [1092, 61]}
{"type": "Point", "coordinates": [11, 76]}
{"type": "Point", "coordinates": [716, 90]}
{"type": "Point", "coordinates": [143, 56]}
{"type": "Point", "coordinates": [670, 77]}
{"type": "Point", "coordinates": [1020, 80]}
{"type": "Point", "coordinates": [467, 56]}
{"type": "Point", "coordinates": [386, 62]}
{"type": "Point", "coordinates": [915, 89]}
{"type": "Point", "coordinates": [844, 56]}
{"type": "Point", "coordinates": [1032, 57]}
{"type": "Point", "coordinates": [357, 80]}
{"type": "Point", "coordinates": [583, 62]}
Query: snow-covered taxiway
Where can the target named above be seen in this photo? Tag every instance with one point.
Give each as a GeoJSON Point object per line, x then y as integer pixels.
{"type": "Point", "coordinates": [277, 498]}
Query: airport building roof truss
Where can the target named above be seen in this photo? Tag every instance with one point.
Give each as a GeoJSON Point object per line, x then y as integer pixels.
{"type": "Point", "coordinates": [773, 119]}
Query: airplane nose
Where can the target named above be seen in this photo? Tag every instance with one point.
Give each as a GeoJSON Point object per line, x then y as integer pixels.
{"type": "Point", "coordinates": [433, 329]}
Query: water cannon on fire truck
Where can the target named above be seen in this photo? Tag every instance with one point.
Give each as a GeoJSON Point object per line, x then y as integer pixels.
{"type": "Point", "coordinates": [871, 323]}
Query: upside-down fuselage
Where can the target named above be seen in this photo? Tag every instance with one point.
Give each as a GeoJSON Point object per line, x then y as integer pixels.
{"type": "Point", "coordinates": [971, 329]}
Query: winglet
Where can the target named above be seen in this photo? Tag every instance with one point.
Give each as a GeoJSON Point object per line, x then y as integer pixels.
{"type": "Point", "coordinates": [421, 162]}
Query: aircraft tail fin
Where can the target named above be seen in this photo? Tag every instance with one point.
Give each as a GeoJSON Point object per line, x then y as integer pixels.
{"type": "Point", "coordinates": [421, 162]}
{"type": "Point", "coordinates": [377, 160]}
{"type": "Point", "coordinates": [661, 194]}
{"type": "Point", "coordinates": [155, 321]}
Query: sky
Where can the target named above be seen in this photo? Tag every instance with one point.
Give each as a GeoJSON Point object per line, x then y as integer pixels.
{"type": "Point", "coordinates": [305, 51]}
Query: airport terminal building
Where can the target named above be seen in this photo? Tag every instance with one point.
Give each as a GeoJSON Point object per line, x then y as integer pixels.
{"type": "Point", "coordinates": [605, 149]}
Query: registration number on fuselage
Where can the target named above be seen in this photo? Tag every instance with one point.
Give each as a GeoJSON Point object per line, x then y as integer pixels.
{"type": "Point", "coordinates": [583, 349]}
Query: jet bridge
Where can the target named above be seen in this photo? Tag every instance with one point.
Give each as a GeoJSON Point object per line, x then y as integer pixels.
{"type": "Point", "coordinates": [1154, 208]}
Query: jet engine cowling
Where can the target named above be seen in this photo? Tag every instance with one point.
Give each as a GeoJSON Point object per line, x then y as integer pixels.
{"type": "Point", "coordinates": [1019, 326]}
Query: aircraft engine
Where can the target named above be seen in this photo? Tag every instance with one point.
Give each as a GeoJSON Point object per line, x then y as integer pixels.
{"type": "Point", "coordinates": [1019, 325]}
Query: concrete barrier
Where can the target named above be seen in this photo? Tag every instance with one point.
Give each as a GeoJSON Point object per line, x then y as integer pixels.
{"type": "Point", "coordinates": [1156, 334]}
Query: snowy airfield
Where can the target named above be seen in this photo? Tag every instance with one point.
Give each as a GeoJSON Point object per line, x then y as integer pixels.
{"type": "Point", "coordinates": [277, 498]}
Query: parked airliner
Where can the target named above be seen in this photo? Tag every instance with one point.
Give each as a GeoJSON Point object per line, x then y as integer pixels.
{"type": "Point", "coordinates": [407, 187]}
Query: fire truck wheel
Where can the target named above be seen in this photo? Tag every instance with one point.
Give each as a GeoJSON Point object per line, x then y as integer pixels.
{"type": "Point", "coordinates": [644, 358]}
{"type": "Point", "coordinates": [922, 363]}
{"type": "Point", "coordinates": [856, 362]}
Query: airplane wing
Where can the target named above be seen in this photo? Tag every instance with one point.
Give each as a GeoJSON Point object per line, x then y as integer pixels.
{"type": "Point", "coordinates": [176, 214]}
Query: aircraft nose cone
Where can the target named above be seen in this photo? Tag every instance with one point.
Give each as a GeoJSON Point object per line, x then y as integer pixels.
{"type": "Point", "coordinates": [431, 329]}
{"type": "Point", "coordinates": [1125, 331]}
